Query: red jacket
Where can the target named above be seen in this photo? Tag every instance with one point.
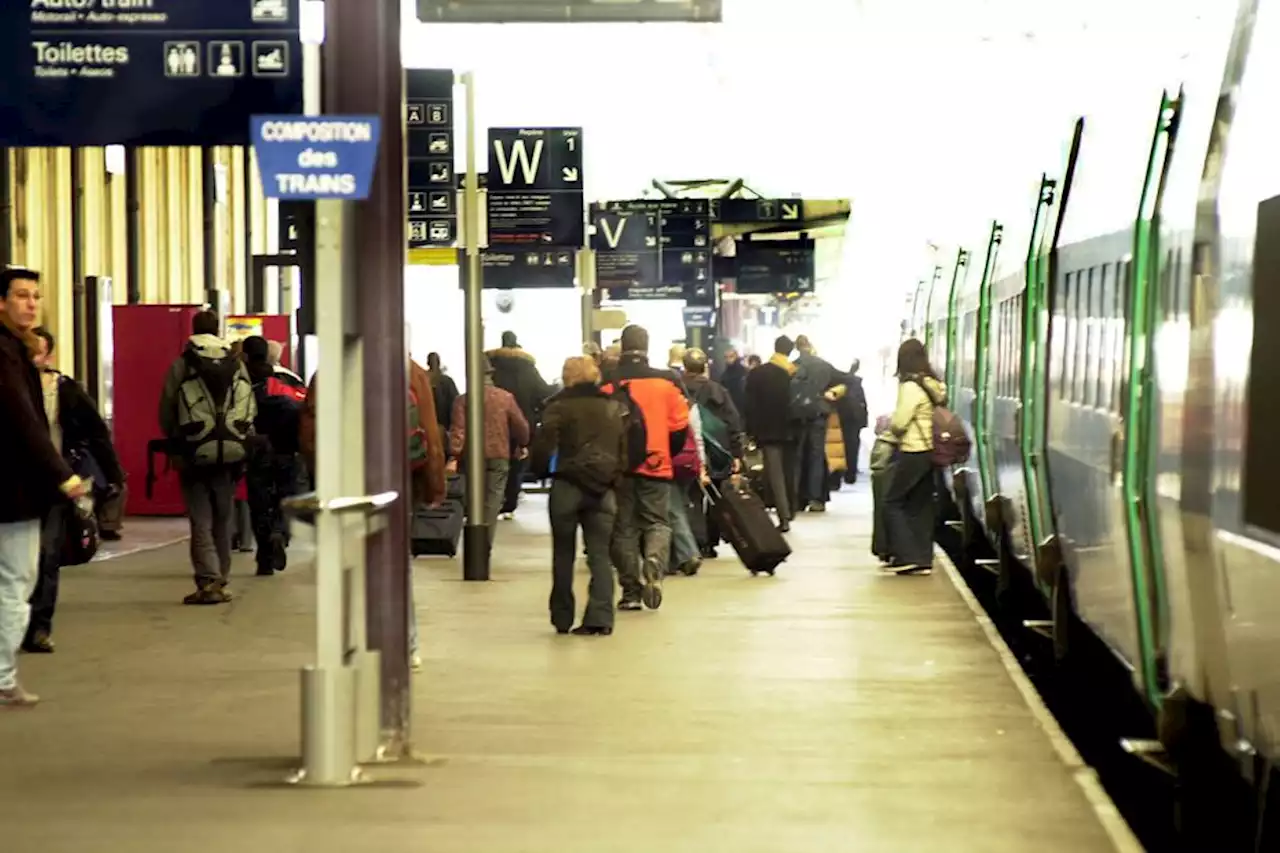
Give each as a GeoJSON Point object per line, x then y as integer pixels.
{"type": "Point", "coordinates": [665, 408]}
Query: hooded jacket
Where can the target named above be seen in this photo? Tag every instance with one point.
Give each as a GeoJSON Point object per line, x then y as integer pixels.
{"type": "Point", "coordinates": [660, 396]}
{"type": "Point", "coordinates": [516, 371]}
{"type": "Point", "coordinates": [34, 471]}
{"type": "Point", "coordinates": [201, 346]}
{"type": "Point", "coordinates": [582, 427]}
{"type": "Point", "coordinates": [717, 400]}
{"type": "Point", "coordinates": [912, 419]}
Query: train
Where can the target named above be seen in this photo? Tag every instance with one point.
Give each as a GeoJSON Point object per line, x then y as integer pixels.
{"type": "Point", "coordinates": [1111, 353]}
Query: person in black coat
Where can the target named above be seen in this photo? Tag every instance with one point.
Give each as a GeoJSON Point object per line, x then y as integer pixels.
{"type": "Point", "coordinates": [443, 389]}
{"type": "Point", "coordinates": [725, 442]}
{"type": "Point", "coordinates": [734, 378]}
{"type": "Point", "coordinates": [768, 403]}
{"type": "Point", "coordinates": [81, 435]}
{"type": "Point", "coordinates": [852, 410]}
{"type": "Point", "coordinates": [37, 480]}
{"type": "Point", "coordinates": [516, 371]}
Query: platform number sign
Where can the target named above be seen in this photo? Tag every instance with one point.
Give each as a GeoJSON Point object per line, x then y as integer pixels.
{"type": "Point", "coordinates": [432, 193]}
{"type": "Point", "coordinates": [535, 193]}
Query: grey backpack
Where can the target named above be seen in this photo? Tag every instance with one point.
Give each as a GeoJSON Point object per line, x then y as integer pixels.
{"type": "Point", "coordinates": [216, 409]}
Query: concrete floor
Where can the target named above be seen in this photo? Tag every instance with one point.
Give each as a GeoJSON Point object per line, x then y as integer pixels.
{"type": "Point", "coordinates": [826, 709]}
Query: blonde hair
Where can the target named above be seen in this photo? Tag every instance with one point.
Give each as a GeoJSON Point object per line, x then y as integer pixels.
{"type": "Point", "coordinates": [578, 370]}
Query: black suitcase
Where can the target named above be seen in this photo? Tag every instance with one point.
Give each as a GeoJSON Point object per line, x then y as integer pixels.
{"type": "Point", "coordinates": [746, 525]}
{"type": "Point", "coordinates": [436, 532]}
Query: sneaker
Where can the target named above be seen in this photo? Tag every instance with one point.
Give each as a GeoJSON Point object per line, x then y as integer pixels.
{"type": "Point", "coordinates": [591, 631]}
{"type": "Point", "coordinates": [508, 516]}
{"type": "Point", "coordinates": [816, 506]}
{"type": "Point", "coordinates": [630, 604]}
{"type": "Point", "coordinates": [651, 574]}
{"type": "Point", "coordinates": [211, 594]}
{"type": "Point", "coordinates": [16, 697]}
{"type": "Point", "coordinates": [710, 554]}
{"type": "Point", "coordinates": [40, 643]}
{"type": "Point", "coordinates": [689, 568]}
{"type": "Point", "coordinates": [279, 554]}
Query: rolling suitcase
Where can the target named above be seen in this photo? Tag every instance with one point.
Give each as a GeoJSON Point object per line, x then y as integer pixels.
{"type": "Point", "coordinates": [881, 469]}
{"type": "Point", "coordinates": [436, 532]}
{"type": "Point", "coordinates": [745, 524]}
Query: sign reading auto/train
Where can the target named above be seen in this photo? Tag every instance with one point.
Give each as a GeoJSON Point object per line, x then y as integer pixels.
{"type": "Point", "coordinates": [535, 194]}
{"type": "Point", "coordinates": [145, 72]}
{"type": "Point", "coordinates": [432, 201]}
{"type": "Point", "coordinates": [328, 157]}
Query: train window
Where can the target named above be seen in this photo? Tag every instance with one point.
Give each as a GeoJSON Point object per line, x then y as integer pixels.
{"type": "Point", "coordinates": [1057, 337]}
{"type": "Point", "coordinates": [1121, 352]}
{"type": "Point", "coordinates": [1096, 321]}
{"type": "Point", "coordinates": [1069, 335]}
{"type": "Point", "coordinates": [1107, 315]}
{"type": "Point", "coordinates": [1003, 350]}
{"type": "Point", "coordinates": [1262, 405]}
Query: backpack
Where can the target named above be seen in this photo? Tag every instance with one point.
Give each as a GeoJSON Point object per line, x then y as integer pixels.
{"type": "Point", "coordinates": [417, 435]}
{"type": "Point", "coordinates": [715, 438]}
{"type": "Point", "coordinates": [216, 410]}
{"type": "Point", "coordinates": [951, 443]}
{"type": "Point", "coordinates": [687, 464]}
{"type": "Point", "coordinates": [806, 399]}
{"type": "Point", "coordinates": [591, 468]}
{"type": "Point", "coordinates": [636, 431]}
{"type": "Point", "coordinates": [279, 415]}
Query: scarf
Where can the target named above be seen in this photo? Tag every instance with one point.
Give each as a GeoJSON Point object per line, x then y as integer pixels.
{"type": "Point", "coordinates": [782, 361]}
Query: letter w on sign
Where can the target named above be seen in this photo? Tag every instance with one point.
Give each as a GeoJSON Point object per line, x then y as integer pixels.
{"type": "Point", "coordinates": [518, 156]}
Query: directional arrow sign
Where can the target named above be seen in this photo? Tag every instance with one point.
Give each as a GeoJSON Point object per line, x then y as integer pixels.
{"type": "Point", "coordinates": [570, 174]}
{"type": "Point", "coordinates": [535, 193]}
{"type": "Point", "coordinates": [790, 210]}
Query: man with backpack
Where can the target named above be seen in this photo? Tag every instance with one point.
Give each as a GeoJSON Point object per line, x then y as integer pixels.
{"type": "Point", "coordinates": [207, 410]}
{"type": "Point", "coordinates": [658, 423]}
{"type": "Point", "coordinates": [722, 435]}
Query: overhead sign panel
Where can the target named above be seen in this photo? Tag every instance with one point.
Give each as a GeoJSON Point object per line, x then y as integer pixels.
{"type": "Point", "coordinates": [569, 11]}
{"type": "Point", "coordinates": [776, 266]}
{"type": "Point", "coordinates": [535, 182]}
{"type": "Point", "coordinates": [653, 248]}
{"type": "Point", "coordinates": [753, 211]}
{"type": "Point", "coordinates": [145, 72]}
{"type": "Point", "coordinates": [328, 157]}
{"type": "Point", "coordinates": [522, 269]}
{"type": "Point", "coordinates": [432, 200]}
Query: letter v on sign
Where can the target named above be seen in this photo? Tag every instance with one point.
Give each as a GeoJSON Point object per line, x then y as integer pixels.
{"type": "Point", "coordinates": [613, 236]}
{"type": "Point", "coordinates": [518, 156]}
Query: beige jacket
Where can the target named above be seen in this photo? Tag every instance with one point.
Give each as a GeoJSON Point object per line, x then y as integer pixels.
{"type": "Point", "coordinates": [912, 420]}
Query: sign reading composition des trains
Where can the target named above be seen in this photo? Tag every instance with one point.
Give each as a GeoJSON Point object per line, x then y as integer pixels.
{"type": "Point", "coordinates": [145, 72]}
{"type": "Point", "coordinates": [321, 157]}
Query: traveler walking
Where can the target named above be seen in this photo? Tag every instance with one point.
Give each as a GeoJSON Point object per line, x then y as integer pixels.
{"type": "Point", "coordinates": [272, 466]}
{"type": "Point", "coordinates": [582, 444]}
{"type": "Point", "coordinates": [641, 542]}
{"type": "Point", "coordinates": [734, 378]}
{"type": "Point", "coordinates": [81, 436]}
{"type": "Point", "coordinates": [506, 437]}
{"type": "Point", "coordinates": [768, 401]}
{"type": "Point", "coordinates": [722, 435]}
{"type": "Point", "coordinates": [516, 371]}
{"type": "Point", "coordinates": [207, 410]}
{"type": "Point", "coordinates": [443, 389]}
{"type": "Point", "coordinates": [908, 499]}
{"type": "Point", "coordinates": [37, 479]}
{"type": "Point", "coordinates": [811, 408]}
{"type": "Point", "coordinates": [852, 410]}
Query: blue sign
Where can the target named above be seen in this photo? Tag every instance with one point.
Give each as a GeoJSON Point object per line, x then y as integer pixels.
{"type": "Point", "coordinates": [145, 72]}
{"type": "Point", "coordinates": [316, 157]}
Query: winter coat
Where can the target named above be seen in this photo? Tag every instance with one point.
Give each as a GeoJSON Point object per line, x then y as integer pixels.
{"type": "Point", "coordinates": [583, 428]}
{"type": "Point", "coordinates": [660, 397]}
{"type": "Point", "coordinates": [34, 471]}
{"type": "Point", "coordinates": [717, 400]}
{"type": "Point", "coordinates": [912, 419]}
{"type": "Point", "coordinates": [836, 461]}
{"type": "Point", "coordinates": [446, 392]}
{"type": "Point", "coordinates": [516, 371]}
{"type": "Point", "coordinates": [852, 407]}
{"type": "Point", "coordinates": [734, 380]}
{"type": "Point", "coordinates": [769, 401]}
{"type": "Point", "coordinates": [505, 426]}
{"type": "Point", "coordinates": [84, 430]}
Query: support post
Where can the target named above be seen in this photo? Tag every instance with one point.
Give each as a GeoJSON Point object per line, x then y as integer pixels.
{"type": "Point", "coordinates": [133, 226]}
{"type": "Point", "coordinates": [587, 281]}
{"type": "Point", "coordinates": [363, 75]}
{"type": "Point", "coordinates": [209, 214]}
{"type": "Point", "coordinates": [6, 208]}
{"type": "Point", "coordinates": [475, 536]}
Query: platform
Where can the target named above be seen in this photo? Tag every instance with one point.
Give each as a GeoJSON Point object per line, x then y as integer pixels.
{"type": "Point", "coordinates": [827, 709]}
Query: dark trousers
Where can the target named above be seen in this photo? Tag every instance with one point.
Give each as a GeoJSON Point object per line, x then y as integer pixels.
{"type": "Point", "coordinates": [44, 600]}
{"type": "Point", "coordinates": [571, 508]}
{"type": "Point", "coordinates": [852, 435]}
{"type": "Point", "coordinates": [811, 468]}
{"type": "Point", "coordinates": [909, 509]}
{"type": "Point", "coordinates": [515, 479]}
{"type": "Point", "coordinates": [269, 480]}
{"type": "Point", "coordinates": [640, 531]}
{"type": "Point", "coordinates": [779, 468]}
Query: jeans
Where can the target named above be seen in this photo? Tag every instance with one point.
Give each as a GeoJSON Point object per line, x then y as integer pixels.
{"type": "Point", "coordinates": [44, 601]}
{"type": "Point", "coordinates": [779, 460]}
{"type": "Point", "coordinates": [19, 564]}
{"type": "Point", "coordinates": [909, 510]}
{"type": "Point", "coordinates": [684, 546]}
{"type": "Point", "coordinates": [641, 531]}
{"type": "Point", "coordinates": [569, 508]}
{"type": "Point", "coordinates": [209, 496]}
{"type": "Point", "coordinates": [270, 479]}
{"type": "Point", "coordinates": [515, 479]}
{"type": "Point", "coordinates": [811, 469]}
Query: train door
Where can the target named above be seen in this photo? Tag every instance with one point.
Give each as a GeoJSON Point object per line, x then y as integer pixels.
{"type": "Point", "coordinates": [1035, 373]}
{"type": "Point", "coordinates": [983, 390]}
{"type": "Point", "coordinates": [952, 349]}
{"type": "Point", "coordinates": [1135, 445]}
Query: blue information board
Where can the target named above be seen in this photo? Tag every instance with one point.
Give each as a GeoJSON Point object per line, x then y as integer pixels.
{"type": "Point", "coordinates": [316, 157]}
{"type": "Point", "coordinates": [145, 72]}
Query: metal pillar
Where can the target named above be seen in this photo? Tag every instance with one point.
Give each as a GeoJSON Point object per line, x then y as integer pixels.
{"type": "Point", "coordinates": [6, 208]}
{"type": "Point", "coordinates": [80, 345]}
{"type": "Point", "coordinates": [475, 535]}
{"type": "Point", "coordinates": [587, 282]}
{"type": "Point", "coordinates": [363, 75]}
{"type": "Point", "coordinates": [133, 226]}
{"type": "Point", "coordinates": [209, 212]}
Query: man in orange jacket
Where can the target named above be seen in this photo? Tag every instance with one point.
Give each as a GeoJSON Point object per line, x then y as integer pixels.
{"type": "Point", "coordinates": [641, 543]}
